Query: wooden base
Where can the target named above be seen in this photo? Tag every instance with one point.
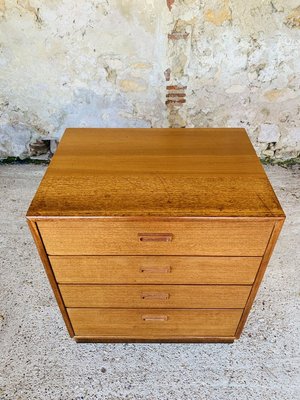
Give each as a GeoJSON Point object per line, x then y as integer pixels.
{"type": "Point", "coordinates": [107, 339]}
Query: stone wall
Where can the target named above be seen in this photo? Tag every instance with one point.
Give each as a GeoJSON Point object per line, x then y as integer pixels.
{"type": "Point", "coordinates": [150, 63]}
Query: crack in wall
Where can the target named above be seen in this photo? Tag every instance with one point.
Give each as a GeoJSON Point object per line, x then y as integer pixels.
{"type": "Point", "coordinates": [25, 4]}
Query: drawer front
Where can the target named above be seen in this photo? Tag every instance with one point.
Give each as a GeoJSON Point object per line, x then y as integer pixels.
{"type": "Point", "coordinates": [155, 269]}
{"type": "Point", "coordinates": [155, 296]}
{"type": "Point", "coordinates": [104, 237]}
{"type": "Point", "coordinates": [147, 323]}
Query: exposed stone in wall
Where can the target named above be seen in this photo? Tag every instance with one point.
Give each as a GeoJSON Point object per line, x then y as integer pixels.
{"type": "Point", "coordinates": [269, 133]}
{"type": "Point", "coordinates": [245, 72]}
{"type": "Point", "coordinates": [178, 56]}
{"type": "Point", "coordinates": [132, 63]}
{"type": "Point", "coordinates": [2, 8]}
{"type": "Point", "coordinates": [219, 14]}
{"type": "Point", "coordinates": [293, 19]}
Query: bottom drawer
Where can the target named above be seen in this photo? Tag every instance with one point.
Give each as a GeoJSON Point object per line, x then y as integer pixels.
{"type": "Point", "coordinates": [152, 323]}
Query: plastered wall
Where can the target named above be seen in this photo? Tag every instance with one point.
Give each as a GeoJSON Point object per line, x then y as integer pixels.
{"type": "Point", "coordinates": [150, 63]}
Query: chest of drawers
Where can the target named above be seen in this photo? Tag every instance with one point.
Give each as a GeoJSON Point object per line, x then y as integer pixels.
{"type": "Point", "coordinates": [155, 234]}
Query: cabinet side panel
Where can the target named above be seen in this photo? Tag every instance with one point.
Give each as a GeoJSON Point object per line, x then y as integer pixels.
{"type": "Point", "coordinates": [260, 274]}
{"type": "Point", "coordinates": [44, 258]}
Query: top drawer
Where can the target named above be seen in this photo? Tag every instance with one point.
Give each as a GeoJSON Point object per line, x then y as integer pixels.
{"type": "Point", "coordinates": [204, 237]}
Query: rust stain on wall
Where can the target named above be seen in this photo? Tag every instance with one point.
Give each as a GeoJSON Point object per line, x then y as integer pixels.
{"type": "Point", "coordinates": [170, 3]}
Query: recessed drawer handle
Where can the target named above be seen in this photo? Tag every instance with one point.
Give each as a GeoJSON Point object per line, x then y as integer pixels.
{"type": "Point", "coordinates": [155, 237]}
{"type": "Point", "coordinates": [154, 317]}
{"type": "Point", "coordinates": [156, 270]}
{"type": "Point", "coordinates": [155, 296]}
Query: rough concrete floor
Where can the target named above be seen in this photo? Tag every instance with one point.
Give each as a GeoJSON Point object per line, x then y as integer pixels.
{"type": "Point", "coordinates": [39, 361]}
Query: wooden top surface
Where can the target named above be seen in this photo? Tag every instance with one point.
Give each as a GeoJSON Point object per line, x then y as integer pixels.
{"type": "Point", "coordinates": [155, 172]}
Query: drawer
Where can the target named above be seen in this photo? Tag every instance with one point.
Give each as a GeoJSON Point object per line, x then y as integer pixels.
{"type": "Point", "coordinates": [154, 269]}
{"type": "Point", "coordinates": [226, 237]}
{"type": "Point", "coordinates": [147, 323]}
{"type": "Point", "coordinates": [155, 296]}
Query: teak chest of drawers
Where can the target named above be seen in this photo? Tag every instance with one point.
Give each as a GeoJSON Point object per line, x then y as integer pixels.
{"type": "Point", "coordinates": [155, 234]}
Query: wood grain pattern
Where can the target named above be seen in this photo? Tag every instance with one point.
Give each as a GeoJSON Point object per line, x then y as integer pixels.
{"type": "Point", "coordinates": [155, 296]}
{"type": "Point", "coordinates": [130, 323]}
{"type": "Point", "coordinates": [50, 275]}
{"type": "Point", "coordinates": [155, 172]}
{"type": "Point", "coordinates": [154, 269]}
{"type": "Point", "coordinates": [155, 234]}
{"type": "Point", "coordinates": [104, 237]}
